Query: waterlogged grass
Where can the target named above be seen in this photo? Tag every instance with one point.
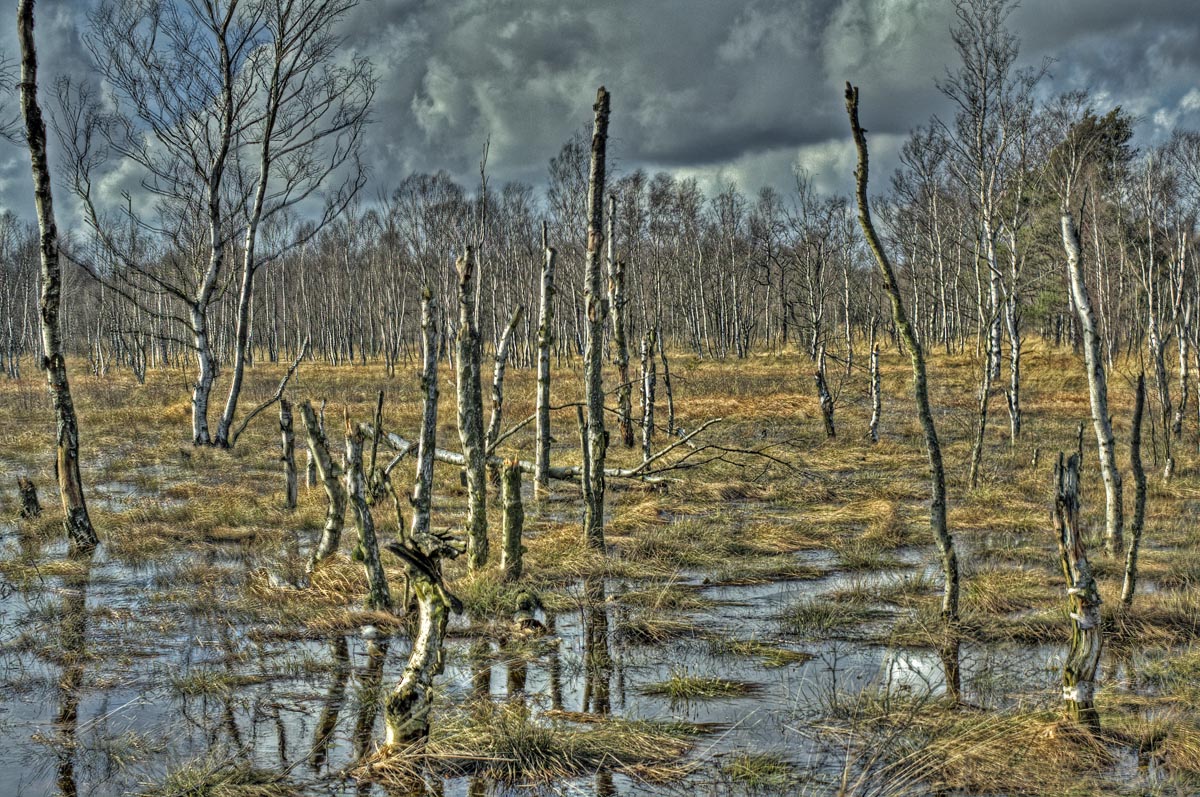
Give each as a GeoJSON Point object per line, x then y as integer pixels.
{"type": "Point", "coordinates": [682, 687]}
{"type": "Point", "coordinates": [760, 772]}
{"type": "Point", "coordinates": [818, 617]}
{"type": "Point", "coordinates": [505, 743]}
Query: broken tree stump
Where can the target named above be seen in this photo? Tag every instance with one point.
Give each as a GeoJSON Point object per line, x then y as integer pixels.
{"type": "Point", "coordinates": [30, 506]}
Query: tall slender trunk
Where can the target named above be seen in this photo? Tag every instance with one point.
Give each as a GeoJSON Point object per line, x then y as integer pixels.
{"type": "Point", "coordinates": [1114, 516]}
{"type": "Point", "coordinates": [422, 497]}
{"type": "Point", "coordinates": [597, 309]}
{"type": "Point", "coordinates": [77, 522]}
{"type": "Point", "coordinates": [937, 474]}
{"type": "Point", "coordinates": [1139, 501]}
{"type": "Point", "coordinates": [470, 414]}
{"type": "Point", "coordinates": [617, 301]}
{"type": "Point", "coordinates": [541, 480]}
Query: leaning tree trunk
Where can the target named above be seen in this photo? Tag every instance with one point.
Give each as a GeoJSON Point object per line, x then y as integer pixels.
{"type": "Point", "coordinates": [937, 473]}
{"type": "Point", "coordinates": [1139, 501]}
{"type": "Point", "coordinates": [379, 597]}
{"type": "Point", "coordinates": [541, 478]}
{"type": "Point", "coordinates": [330, 476]}
{"type": "Point", "coordinates": [1079, 670]}
{"type": "Point", "coordinates": [470, 414]}
{"type": "Point", "coordinates": [77, 522]}
{"type": "Point", "coordinates": [616, 296]}
{"type": "Point", "coordinates": [597, 307]}
{"type": "Point", "coordinates": [493, 429]}
{"type": "Point", "coordinates": [1114, 516]}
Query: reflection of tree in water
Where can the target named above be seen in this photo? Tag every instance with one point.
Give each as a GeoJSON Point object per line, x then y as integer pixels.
{"type": "Point", "coordinates": [597, 660]}
{"type": "Point", "coordinates": [73, 643]}
{"type": "Point", "coordinates": [333, 704]}
{"type": "Point", "coordinates": [370, 698]}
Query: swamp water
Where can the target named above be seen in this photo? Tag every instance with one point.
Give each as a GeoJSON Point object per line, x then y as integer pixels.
{"type": "Point", "coordinates": [114, 675]}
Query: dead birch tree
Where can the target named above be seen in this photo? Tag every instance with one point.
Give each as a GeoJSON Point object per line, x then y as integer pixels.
{"type": "Point", "coordinates": [407, 707]}
{"type": "Point", "coordinates": [514, 521]}
{"type": "Point", "coordinates": [422, 497]}
{"type": "Point", "coordinates": [470, 413]}
{"type": "Point", "coordinates": [876, 396]}
{"type": "Point", "coordinates": [77, 522]}
{"type": "Point", "coordinates": [541, 479]}
{"type": "Point", "coordinates": [288, 457]}
{"type": "Point", "coordinates": [1129, 586]}
{"type": "Point", "coordinates": [648, 384]}
{"type": "Point", "coordinates": [379, 597]}
{"type": "Point", "coordinates": [937, 474]}
{"type": "Point", "coordinates": [502, 350]}
{"type": "Point", "coordinates": [1114, 514]}
{"type": "Point", "coordinates": [617, 301]}
{"type": "Point", "coordinates": [330, 476]}
{"type": "Point", "coordinates": [597, 308]}
{"type": "Point", "coordinates": [1083, 657]}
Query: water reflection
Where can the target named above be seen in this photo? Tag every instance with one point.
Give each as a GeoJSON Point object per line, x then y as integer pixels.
{"type": "Point", "coordinates": [73, 644]}
{"type": "Point", "coordinates": [334, 701]}
{"type": "Point", "coordinates": [597, 658]}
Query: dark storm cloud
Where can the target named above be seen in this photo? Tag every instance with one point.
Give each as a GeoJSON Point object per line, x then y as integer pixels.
{"type": "Point", "coordinates": [707, 88]}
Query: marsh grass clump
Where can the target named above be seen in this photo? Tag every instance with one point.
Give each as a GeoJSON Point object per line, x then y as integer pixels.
{"type": "Point", "coordinates": [506, 743]}
{"type": "Point", "coordinates": [770, 654]}
{"type": "Point", "coordinates": [817, 616]}
{"type": "Point", "coordinates": [682, 687]}
{"type": "Point", "coordinates": [650, 628]}
{"type": "Point", "coordinates": [760, 772]}
{"type": "Point", "coordinates": [207, 777]}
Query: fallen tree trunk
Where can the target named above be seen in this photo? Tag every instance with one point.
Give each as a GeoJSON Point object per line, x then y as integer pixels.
{"type": "Point", "coordinates": [403, 446]}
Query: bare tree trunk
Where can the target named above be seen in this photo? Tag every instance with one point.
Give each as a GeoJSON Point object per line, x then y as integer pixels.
{"type": "Point", "coordinates": [423, 488]}
{"type": "Point", "coordinates": [406, 709]}
{"type": "Point", "coordinates": [1079, 670]}
{"type": "Point", "coordinates": [1013, 321]}
{"type": "Point", "coordinates": [662, 351]}
{"type": "Point", "coordinates": [493, 430]}
{"type": "Point", "coordinates": [1184, 342]}
{"type": "Point", "coordinates": [648, 382]}
{"type": "Point", "coordinates": [330, 476]}
{"type": "Point", "coordinates": [824, 397]}
{"type": "Point", "coordinates": [470, 414]}
{"type": "Point", "coordinates": [1139, 501]}
{"type": "Point", "coordinates": [77, 522]}
{"type": "Point", "coordinates": [985, 394]}
{"type": "Point", "coordinates": [289, 453]}
{"type": "Point", "coordinates": [616, 295]}
{"type": "Point", "coordinates": [1098, 389]}
{"type": "Point", "coordinates": [514, 521]}
{"type": "Point", "coordinates": [937, 474]}
{"type": "Point", "coordinates": [310, 466]}
{"type": "Point", "coordinates": [379, 597]}
{"type": "Point", "coordinates": [541, 479]}
{"type": "Point", "coordinates": [876, 396]}
{"type": "Point", "coordinates": [597, 309]}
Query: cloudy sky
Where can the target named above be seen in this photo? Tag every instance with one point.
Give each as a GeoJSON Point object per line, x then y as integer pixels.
{"type": "Point", "coordinates": [714, 89]}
